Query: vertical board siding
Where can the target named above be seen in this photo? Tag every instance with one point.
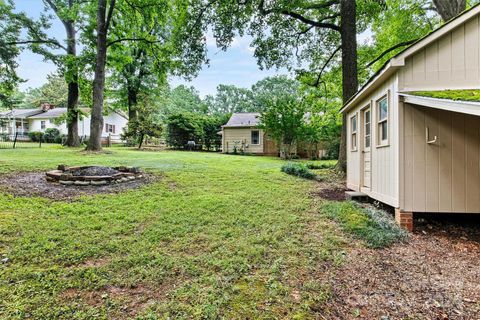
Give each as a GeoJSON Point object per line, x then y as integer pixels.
{"type": "Point", "coordinates": [384, 173]}
{"type": "Point", "coordinates": [458, 162]}
{"type": "Point", "coordinates": [472, 185]}
{"type": "Point", "coordinates": [451, 62]}
{"type": "Point", "coordinates": [445, 162]}
{"type": "Point", "coordinates": [419, 178]}
{"type": "Point", "coordinates": [444, 176]}
{"type": "Point", "coordinates": [431, 162]}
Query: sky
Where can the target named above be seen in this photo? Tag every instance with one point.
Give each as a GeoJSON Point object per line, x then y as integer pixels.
{"type": "Point", "coordinates": [236, 66]}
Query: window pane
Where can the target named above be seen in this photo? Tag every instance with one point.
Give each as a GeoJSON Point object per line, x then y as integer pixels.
{"type": "Point", "coordinates": [354, 141]}
{"type": "Point", "coordinates": [255, 137]}
{"type": "Point", "coordinates": [383, 109]}
{"type": "Point", "coordinates": [384, 129]}
{"type": "Point", "coordinates": [367, 142]}
{"type": "Point", "coordinates": [354, 123]}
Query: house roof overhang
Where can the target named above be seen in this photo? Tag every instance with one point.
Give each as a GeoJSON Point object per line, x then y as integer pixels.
{"type": "Point", "coordinates": [466, 107]}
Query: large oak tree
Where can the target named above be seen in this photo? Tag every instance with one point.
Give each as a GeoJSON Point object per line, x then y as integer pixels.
{"type": "Point", "coordinates": [302, 35]}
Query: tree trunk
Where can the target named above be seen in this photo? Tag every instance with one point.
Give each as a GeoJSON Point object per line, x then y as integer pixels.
{"type": "Point", "coordinates": [132, 104]}
{"type": "Point", "coordinates": [348, 30]}
{"type": "Point", "coordinates": [73, 92]}
{"type": "Point", "coordinates": [142, 136]}
{"type": "Point", "coordinates": [449, 9]}
{"type": "Point", "coordinates": [96, 125]}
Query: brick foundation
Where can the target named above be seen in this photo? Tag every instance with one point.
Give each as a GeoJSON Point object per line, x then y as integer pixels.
{"type": "Point", "coordinates": [404, 219]}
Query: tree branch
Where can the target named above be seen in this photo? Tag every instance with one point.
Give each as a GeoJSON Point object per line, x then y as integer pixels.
{"type": "Point", "coordinates": [132, 39]}
{"type": "Point", "coordinates": [110, 14]}
{"type": "Point", "coordinates": [35, 42]}
{"type": "Point", "coordinates": [200, 15]}
{"type": "Point", "coordinates": [330, 58]}
{"type": "Point", "coordinates": [318, 6]}
{"type": "Point", "coordinates": [398, 45]}
{"type": "Point", "coordinates": [297, 16]}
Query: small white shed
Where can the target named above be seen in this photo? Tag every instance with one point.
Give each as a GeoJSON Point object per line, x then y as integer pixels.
{"type": "Point", "coordinates": [413, 132]}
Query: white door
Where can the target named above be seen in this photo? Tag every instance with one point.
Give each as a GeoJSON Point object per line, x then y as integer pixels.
{"type": "Point", "coordinates": [367, 142]}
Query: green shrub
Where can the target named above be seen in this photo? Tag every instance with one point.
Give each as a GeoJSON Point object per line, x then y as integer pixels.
{"type": "Point", "coordinates": [373, 226]}
{"type": "Point", "coordinates": [322, 165]}
{"type": "Point", "coordinates": [298, 169]}
{"type": "Point", "coordinates": [51, 135]}
{"type": "Point", "coordinates": [35, 136]}
{"type": "Point", "coordinates": [61, 139]}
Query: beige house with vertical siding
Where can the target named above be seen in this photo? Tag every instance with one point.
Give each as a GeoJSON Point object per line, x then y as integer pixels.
{"type": "Point", "coordinates": [241, 134]}
{"type": "Point", "coordinates": [414, 129]}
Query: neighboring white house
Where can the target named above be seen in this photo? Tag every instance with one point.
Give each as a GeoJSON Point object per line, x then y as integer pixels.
{"type": "Point", "coordinates": [23, 121]}
{"type": "Point", "coordinates": [413, 131]}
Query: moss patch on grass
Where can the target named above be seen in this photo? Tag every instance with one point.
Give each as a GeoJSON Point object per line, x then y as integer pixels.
{"type": "Point", "coordinates": [457, 95]}
{"type": "Point", "coordinates": [372, 226]}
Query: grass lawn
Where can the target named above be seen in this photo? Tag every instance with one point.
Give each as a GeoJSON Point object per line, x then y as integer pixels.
{"type": "Point", "coordinates": [217, 236]}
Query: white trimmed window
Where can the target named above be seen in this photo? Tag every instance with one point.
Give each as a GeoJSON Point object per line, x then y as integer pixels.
{"type": "Point", "coordinates": [43, 125]}
{"type": "Point", "coordinates": [110, 128]}
{"type": "Point", "coordinates": [255, 137]}
{"type": "Point", "coordinates": [382, 124]}
{"type": "Point", "coordinates": [354, 130]}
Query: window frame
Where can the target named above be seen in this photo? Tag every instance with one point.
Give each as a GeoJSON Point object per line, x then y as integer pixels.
{"type": "Point", "coordinates": [379, 122]}
{"type": "Point", "coordinates": [43, 124]}
{"type": "Point", "coordinates": [251, 137]}
{"type": "Point", "coordinates": [354, 134]}
{"type": "Point", "coordinates": [109, 128]}
{"type": "Point", "coordinates": [364, 134]}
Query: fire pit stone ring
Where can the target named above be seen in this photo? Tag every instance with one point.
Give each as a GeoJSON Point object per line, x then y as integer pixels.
{"type": "Point", "coordinates": [92, 175]}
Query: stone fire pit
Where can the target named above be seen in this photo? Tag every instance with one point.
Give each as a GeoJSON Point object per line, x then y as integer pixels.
{"type": "Point", "coordinates": [92, 175]}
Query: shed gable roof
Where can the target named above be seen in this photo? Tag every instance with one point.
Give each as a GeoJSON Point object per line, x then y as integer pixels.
{"type": "Point", "coordinates": [251, 119]}
{"type": "Point", "coordinates": [399, 59]}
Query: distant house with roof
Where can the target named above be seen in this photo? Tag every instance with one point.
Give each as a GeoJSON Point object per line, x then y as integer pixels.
{"type": "Point", "coordinates": [413, 131]}
{"type": "Point", "coordinates": [242, 134]}
{"type": "Point", "coordinates": [23, 121]}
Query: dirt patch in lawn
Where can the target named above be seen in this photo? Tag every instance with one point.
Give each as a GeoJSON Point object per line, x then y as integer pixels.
{"type": "Point", "coordinates": [34, 184]}
{"type": "Point", "coordinates": [132, 300]}
{"type": "Point", "coordinates": [436, 275]}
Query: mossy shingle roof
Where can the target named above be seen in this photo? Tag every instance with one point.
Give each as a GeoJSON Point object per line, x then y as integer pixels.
{"type": "Point", "coordinates": [456, 95]}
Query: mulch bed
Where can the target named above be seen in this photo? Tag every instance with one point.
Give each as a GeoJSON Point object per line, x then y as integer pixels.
{"type": "Point", "coordinates": [34, 184]}
{"type": "Point", "coordinates": [330, 191]}
{"type": "Point", "coordinates": [436, 275]}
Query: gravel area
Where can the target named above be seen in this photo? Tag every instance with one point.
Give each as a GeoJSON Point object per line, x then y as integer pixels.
{"type": "Point", "coordinates": [93, 171]}
{"type": "Point", "coordinates": [34, 184]}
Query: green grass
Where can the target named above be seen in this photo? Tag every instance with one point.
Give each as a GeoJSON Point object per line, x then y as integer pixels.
{"type": "Point", "coordinates": [216, 237]}
{"type": "Point", "coordinates": [460, 95]}
{"type": "Point", "coordinates": [370, 225]}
